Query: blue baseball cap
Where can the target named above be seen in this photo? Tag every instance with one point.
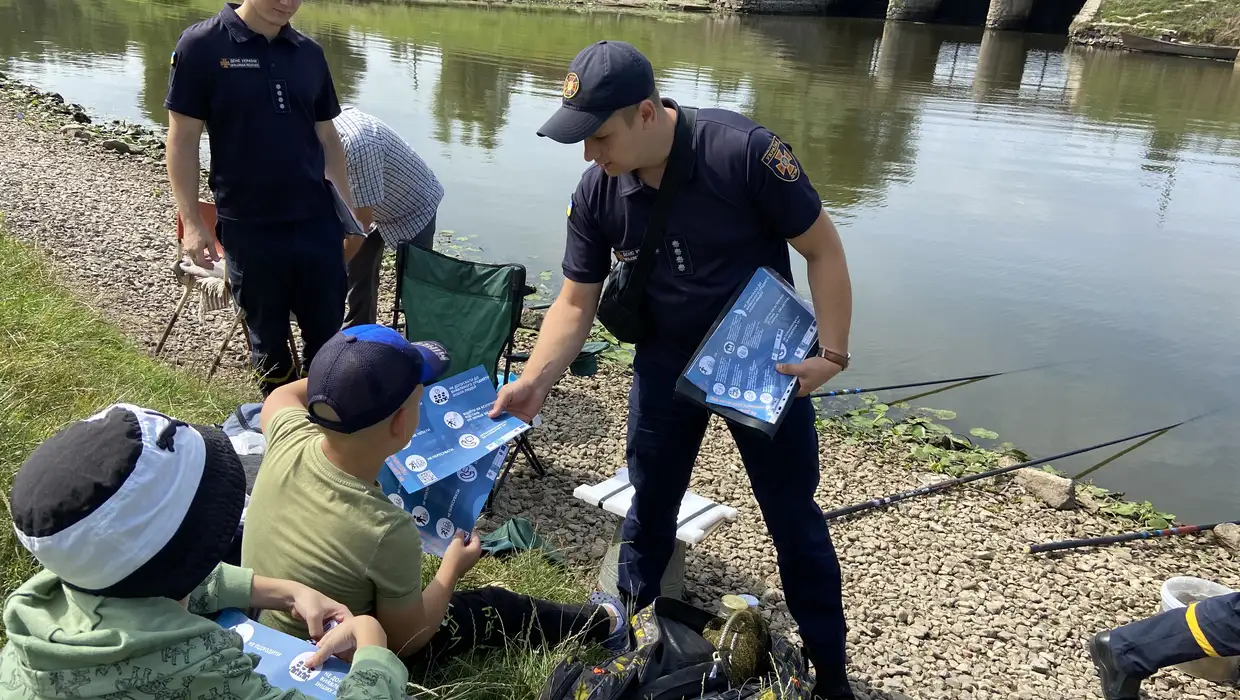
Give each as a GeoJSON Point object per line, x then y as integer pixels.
{"type": "Point", "coordinates": [364, 373]}
{"type": "Point", "coordinates": [604, 77]}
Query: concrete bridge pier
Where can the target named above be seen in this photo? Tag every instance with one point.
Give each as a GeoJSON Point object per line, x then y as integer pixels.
{"type": "Point", "coordinates": [912, 10]}
{"type": "Point", "coordinates": [1008, 14]}
{"type": "Point", "coordinates": [906, 54]}
{"type": "Point", "coordinates": [1000, 65]}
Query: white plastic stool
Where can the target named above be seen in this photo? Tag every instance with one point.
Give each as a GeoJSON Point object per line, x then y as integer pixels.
{"type": "Point", "coordinates": [697, 518]}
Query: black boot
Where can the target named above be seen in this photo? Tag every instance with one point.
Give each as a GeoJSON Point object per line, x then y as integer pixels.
{"type": "Point", "coordinates": [832, 689]}
{"type": "Point", "coordinates": [1116, 685]}
{"type": "Point", "coordinates": [835, 692]}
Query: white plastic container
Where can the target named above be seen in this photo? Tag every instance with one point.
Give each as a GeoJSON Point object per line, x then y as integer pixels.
{"type": "Point", "coordinates": [1178, 592]}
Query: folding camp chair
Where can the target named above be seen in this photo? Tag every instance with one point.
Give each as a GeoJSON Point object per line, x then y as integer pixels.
{"type": "Point", "coordinates": [473, 309]}
{"type": "Point", "coordinates": [214, 292]}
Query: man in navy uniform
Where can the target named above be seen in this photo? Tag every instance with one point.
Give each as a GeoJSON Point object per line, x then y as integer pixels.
{"type": "Point", "coordinates": [265, 95]}
{"type": "Point", "coordinates": [1129, 654]}
{"type": "Point", "coordinates": [745, 200]}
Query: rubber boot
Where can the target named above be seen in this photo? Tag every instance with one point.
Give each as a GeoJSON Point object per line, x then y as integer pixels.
{"type": "Point", "coordinates": [1116, 685]}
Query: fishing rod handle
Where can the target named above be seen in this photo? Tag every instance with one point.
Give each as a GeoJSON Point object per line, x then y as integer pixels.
{"type": "Point", "coordinates": [1072, 544]}
{"type": "Point", "coordinates": [849, 510]}
{"type": "Point", "coordinates": [1125, 537]}
{"type": "Point", "coordinates": [835, 392]}
{"type": "Point", "coordinates": [880, 502]}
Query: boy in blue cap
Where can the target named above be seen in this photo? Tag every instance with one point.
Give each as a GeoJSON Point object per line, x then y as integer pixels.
{"type": "Point", "coordinates": [317, 513]}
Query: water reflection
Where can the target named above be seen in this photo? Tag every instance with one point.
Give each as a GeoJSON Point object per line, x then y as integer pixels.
{"type": "Point", "coordinates": [846, 93]}
{"type": "Point", "coordinates": [471, 99]}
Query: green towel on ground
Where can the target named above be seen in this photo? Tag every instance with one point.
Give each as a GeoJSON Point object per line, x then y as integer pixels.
{"type": "Point", "coordinates": [516, 535]}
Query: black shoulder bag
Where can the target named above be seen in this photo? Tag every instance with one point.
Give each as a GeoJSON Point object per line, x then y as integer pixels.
{"type": "Point", "coordinates": [621, 308]}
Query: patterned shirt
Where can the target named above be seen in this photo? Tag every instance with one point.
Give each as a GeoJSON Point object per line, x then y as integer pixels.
{"type": "Point", "coordinates": [386, 174]}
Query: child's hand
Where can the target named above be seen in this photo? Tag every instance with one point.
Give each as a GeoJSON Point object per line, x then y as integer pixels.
{"type": "Point", "coordinates": [461, 557]}
{"type": "Point", "coordinates": [316, 609]}
{"type": "Point", "coordinates": [341, 640]}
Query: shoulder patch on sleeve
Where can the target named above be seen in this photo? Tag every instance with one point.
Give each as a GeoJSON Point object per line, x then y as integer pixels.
{"type": "Point", "coordinates": [779, 159]}
{"type": "Point", "coordinates": [569, 211]}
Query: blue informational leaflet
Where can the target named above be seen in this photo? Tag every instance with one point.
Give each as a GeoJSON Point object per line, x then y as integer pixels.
{"type": "Point", "coordinates": [444, 507]}
{"type": "Point", "coordinates": [733, 371]}
{"type": "Point", "coordinates": [443, 476]}
{"type": "Point", "coordinates": [454, 430]}
{"type": "Point", "coordinates": [283, 657]}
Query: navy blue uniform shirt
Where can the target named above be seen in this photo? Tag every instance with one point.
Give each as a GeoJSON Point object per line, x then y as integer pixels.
{"type": "Point", "coordinates": [745, 197]}
{"type": "Point", "coordinates": [260, 100]}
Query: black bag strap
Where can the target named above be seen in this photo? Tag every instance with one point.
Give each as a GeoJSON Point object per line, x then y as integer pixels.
{"type": "Point", "coordinates": [245, 424]}
{"type": "Point", "coordinates": [678, 162]}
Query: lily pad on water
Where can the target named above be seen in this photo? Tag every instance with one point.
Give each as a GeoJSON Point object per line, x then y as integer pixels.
{"type": "Point", "coordinates": [984, 433]}
{"type": "Point", "coordinates": [940, 413]}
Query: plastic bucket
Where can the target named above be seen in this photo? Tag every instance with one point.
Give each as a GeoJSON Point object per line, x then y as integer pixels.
{"type": "Point", "coordinates": [673, 583]}
{"type": "Point", "coordinates": [1178, 592]}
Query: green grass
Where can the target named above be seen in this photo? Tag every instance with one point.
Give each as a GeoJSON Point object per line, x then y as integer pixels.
{"type": "Point", "coordinates": [1207, 21]}
{"type": "Point", "coordinates": [61, 361]}
{"type": "Point", "coordinates": [513, 672]}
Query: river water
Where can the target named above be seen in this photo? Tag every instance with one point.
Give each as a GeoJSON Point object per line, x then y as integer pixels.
{"type": "Point", "coordinates": [1007, 201]}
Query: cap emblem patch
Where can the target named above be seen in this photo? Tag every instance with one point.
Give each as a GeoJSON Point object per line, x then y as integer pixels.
{"type": "Point", "coordinates": [571, 85]}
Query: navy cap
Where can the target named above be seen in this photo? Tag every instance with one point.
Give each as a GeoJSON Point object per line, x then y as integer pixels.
{"type": "Point", "coordinates": [364, 373]}
{"type": "Point", "coordinates": [604, 77]}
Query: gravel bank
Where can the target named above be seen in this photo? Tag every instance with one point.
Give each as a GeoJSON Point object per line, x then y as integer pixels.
{"type": "Point", "coordinates": [941, 598]}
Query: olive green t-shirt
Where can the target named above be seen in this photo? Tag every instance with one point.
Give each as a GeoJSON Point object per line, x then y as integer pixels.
{"type": "Point", "coordinates": [310, 522]}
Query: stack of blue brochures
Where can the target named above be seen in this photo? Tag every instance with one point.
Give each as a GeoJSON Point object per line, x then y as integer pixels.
{"type": "Point", "coordinates": [733, 370]}
{"type": "Point", "coordinates": [445, 473]}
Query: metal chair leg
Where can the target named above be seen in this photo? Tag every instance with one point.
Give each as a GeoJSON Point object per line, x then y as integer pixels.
{"type": "Point", "coordinates": [292, 351]}
{"type": "Point", "coordinates": [528, 450]}
{"type": "Point", "coordinates": [245, 333]}
{"type": "Point", "coordinates": [502, 479]}
{"type": "Point", "coordinates": [237, 320]}
{"type": "Point", "coordinates": [159, 347]}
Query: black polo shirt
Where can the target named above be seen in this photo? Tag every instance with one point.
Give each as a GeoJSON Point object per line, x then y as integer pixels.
{"type": "Point", "coordinates": [745, 197]}
{"type": "Point", "coordinates": [260, 100]}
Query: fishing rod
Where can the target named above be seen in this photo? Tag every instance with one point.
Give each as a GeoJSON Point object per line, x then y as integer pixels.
{"type": "Point", "coordinates": [965, 380]}
{"type": "Point", "coordinates": [944, 485]}
{"type": "Point", "coordinates": [932, 392]}
{"type": "Point", "coordinates": [1117, 455]}
{"type": "Point", "coordinates": [846, 392]}
{"type": "Point", "coordinates": [1125, 537]}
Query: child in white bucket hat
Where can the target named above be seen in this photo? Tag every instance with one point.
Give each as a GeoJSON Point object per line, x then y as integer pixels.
{"type": "Point", "coordinates": [130, 512]}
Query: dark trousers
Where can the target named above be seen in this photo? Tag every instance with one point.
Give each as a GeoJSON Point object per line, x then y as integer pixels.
{"type": "Point", "coordinates": [363, 296]}
{"type": "Point", "coordinates": [1207, 628]}
{"type": "Point", "coordinates": [664, 436]}
{"type": "Point", "coordinates": [279, 268]}
{"type": "Point", "coordinates": [492, 617]}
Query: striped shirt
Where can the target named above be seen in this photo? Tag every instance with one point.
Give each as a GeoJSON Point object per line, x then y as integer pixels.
{"type": "Point", "coordinates": [386, 174]}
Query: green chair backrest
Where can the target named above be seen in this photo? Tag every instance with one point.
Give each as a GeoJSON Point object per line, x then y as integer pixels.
{"type": "Point", "coordinates": [472, 309]}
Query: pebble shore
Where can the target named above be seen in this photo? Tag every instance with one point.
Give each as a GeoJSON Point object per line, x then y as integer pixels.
{"type": "Point", "coordinates": [943, 601]}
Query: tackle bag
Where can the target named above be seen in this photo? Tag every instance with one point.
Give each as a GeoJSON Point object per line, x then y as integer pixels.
{"type": "Point", "coordinates": [675, 659]}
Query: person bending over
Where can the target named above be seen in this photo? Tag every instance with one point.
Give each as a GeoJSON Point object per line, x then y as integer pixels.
{"type": "Point", "coordinates": [317, 515]}
{"type": "Point", "coordinates": [129, 512]}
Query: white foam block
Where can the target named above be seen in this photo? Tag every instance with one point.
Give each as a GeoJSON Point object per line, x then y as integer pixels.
{"type": "Point", "coordinates": [698, 516]}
